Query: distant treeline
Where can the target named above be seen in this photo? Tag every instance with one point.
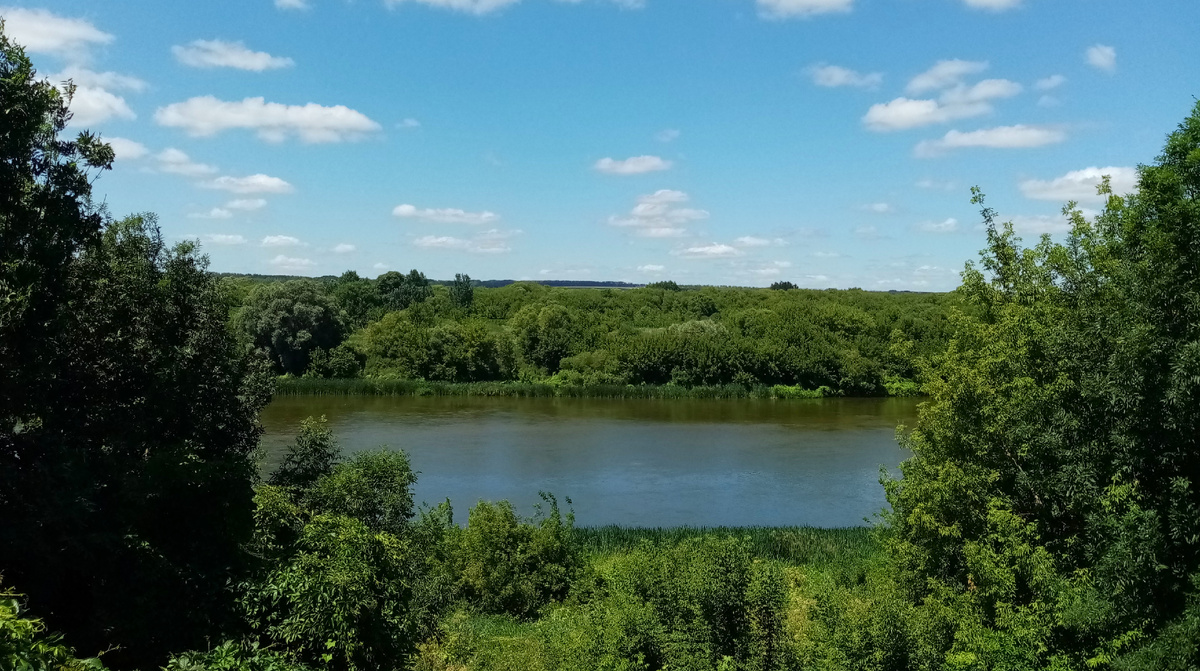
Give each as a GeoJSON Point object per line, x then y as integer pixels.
{"type": "Point", "coordinates": [783, 342]}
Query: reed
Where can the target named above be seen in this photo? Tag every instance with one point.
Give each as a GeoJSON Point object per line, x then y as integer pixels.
{"type": "Point", "coordinates": [793, 545]}
{"type": "Point", "coordinates": [301, 386]}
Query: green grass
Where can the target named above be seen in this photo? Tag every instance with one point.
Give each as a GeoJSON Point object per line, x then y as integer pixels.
{"type": "Point", "coordinates": [791, 545]}
{"type": "Point", "coordinates": [293, 386]}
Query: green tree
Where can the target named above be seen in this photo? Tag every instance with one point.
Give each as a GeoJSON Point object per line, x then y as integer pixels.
{"type": "Point", "coordinates": [783, 286]}
{"type": "Point", "coordinates": [287, 321]}
{"type": "Point", "coordinates": [399, 291]}
{"type": "Point", "coordinates": [1051, 508]}
{"type": "Point", "coordinates": [358, 298]}
{"type": "Point", "coordinates": [545, 334]}
{"type": "Point", "coordinates": [462, 292]}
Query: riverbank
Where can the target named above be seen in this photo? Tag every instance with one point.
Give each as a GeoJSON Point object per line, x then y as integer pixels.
{"type": "Point", "coordinates": [302, 386]}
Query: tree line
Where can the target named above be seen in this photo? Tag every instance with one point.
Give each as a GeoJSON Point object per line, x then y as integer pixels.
{"type": "Point", "coordinates": [398, 326]}
{"type": "Point", "coordinates": [1046, 521]}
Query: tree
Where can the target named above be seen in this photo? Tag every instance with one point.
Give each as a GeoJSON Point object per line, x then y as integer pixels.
{"type": "Point", "coordinates": [287, 321]}
{"type": "Point", "coordinates": [358, 299]}
{"type": "Point", "coordinates": [400, 291]}
{"type": "Point", "coordinates": [783, 286]}
{"type": "Point", "coordinates": [128, 413]}
{"type": "Point", "coordinates": [462, 292]}
{"type": "Point", "coordinates": [1051, 512]}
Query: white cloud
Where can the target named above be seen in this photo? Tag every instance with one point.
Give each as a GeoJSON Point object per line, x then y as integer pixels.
{"type": "Point", "coordinates": [1080, 185]}
{"type": "Point", "coordinates": [1039, 223]}
{"type": "Point", "coordinates": [344, 248]}
{"type": "Point", "coordinates": [935, 184]}
{"type": "Point", "coordinates": [223, 239]}
{"type": "Point", "coordinates": [635, 165]}
{"type": "Point", "coordinates": [1048, 101]}
{"type": "Point", "coordinates": [291, 4]}
{"type": "Point", "coordinates": [215, 213]}
{"type": "Point", "coordinates": [992, 5]}
{"type": "Point", "coordinates": [408, 123]}
{"type": "Point", "coordinates": [44, 32]}
{"type": "Point", "coordinates": [715, 250]}
{"type": "Point", "coordinates": [947, 226]}
{"type": "Point", "coordinates": [1050, 83]}
{"type": "Point", "coordinates": [381, 266]}
{"type": "Point", "coordinates": [126, 149]}
{"type": "Point", "coordinates": [944, 74]}
{"type": "Point", "coordinates": [246, 204]}
{"type": "Point", "coordinates": [446, 215]}
{"type": "Point", "coordinates": [175, 162]}
{"type": "Point", "coordinates": [291, 263]}
{"type": "Point", "coordinates": [222, 54]}
{"type": "Point", "coordinates": [834, 76]}
{"type": "Point", "coordinates": [959, 101]}
{"type": "Point", "coordinates": [273, 122]}
{"type": "Point", "coordinates": [879, 208]}
{"type": "Point", "coordinates": [784, 9]}
{"type": "Point", "coordinates": [867, 233]}
{"type": "Point", "coordinates": [92, 105]}
{"type": "Point", "coordinates": [1001, 137]}
{"type": "Point", "coordinates": [826, 255]}
{"type": "Point", "coordinates": [477, 7]}
{"type": "Point", "coordinates": [102, 80]}
{"type": "Point", "coordinates": [1102, 57]}
{"type": "Point", "coordinates": [751, 241]}
{"type": "Point", "coordinates": [656, 215]}
{"type": "Point", "coordinates": [667, 135]}
{"type": "Point", "coordinates": [488, 242]}
{"type": "Point", "coordinates": [259, 183]}
{"type": "Point", "coordinates": [651, 268]}
{"type": "Point", "coordinates": [281, 241]}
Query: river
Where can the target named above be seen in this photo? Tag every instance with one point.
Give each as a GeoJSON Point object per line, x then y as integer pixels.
{"type": "Point", "coordinates": [629, 462]}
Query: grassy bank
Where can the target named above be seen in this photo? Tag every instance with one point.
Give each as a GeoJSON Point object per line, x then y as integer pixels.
{"type": "Point", "coordinates": [299, 386]}
{"type": "Point", "coordinates": [790, 545]}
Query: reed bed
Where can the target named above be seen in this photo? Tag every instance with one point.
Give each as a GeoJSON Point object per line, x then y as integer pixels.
{"type": "Point", "coordinates": [793, 545]}
{"type": "Point", "coordinates": [293, 386]}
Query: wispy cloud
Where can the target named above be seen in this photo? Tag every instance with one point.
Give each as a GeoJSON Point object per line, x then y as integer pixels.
{"type": "Point", "coordinates": [836, 76]}
{"type": "Point", "coordinates": [222, 54]}
{"type": "Point", "coordinates": [206, 116]}
{"type": "Point", "coordinates": [659, 215]}
{"type": "Point", "coordinates": [1001, 137]}
{"type": "Point", "coordinates": [636, 165]}
{"type": "Point", "coordinates": [444, 215]}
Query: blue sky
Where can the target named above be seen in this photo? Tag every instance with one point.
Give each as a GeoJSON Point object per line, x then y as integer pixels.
{"type": "Point", "coordinates": [827, 142]}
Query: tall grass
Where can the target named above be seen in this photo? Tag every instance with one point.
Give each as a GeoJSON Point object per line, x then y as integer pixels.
{"type": "Point", "coordinates": [793, 545]}
{"type": "Point", "coordinates": [294, 386]}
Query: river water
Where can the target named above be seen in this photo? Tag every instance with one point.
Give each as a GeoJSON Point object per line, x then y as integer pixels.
{"type": "Point", "coordinates": [630, 462]}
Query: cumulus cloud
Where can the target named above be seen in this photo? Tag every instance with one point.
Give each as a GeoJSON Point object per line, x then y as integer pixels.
{"type": "Point", "coordinates": [205, 116]}
{"type": "Point", "coordinates": [946, 226]}
{"type": "Point", "coordinates": [43, 32]}
{"type": "Point", "coordinates": [751, 241]}
{"type": "Point", "coordinates": [992, 5]}
{"type": "Point", "coordinates": [1102, 57]}
{"type": "Point", "coordinates": [225, 240]}
{"type": "Point", "coordinates": [222, 54]}
{"type": "Point", "coordinates": [344, 248]}
{"type": "Point", "coordinates": [258, 183]}
{"type": "Point", "coordinates": [94, 100]}
{"type": "Point", "coordinates": [281, 241]}
{"type": "Point", "coordinates": [659, 215]}
{"type": "Point", "coordinates": [786, 9]}
{"type": "Point", "coordinates": [1050, 83]}
{"type": "Point", "coordinates": [1001, 137]}
{"type": "Point", "coordinates": [1080, 185]}
{"type": "Point", "coordinates": [834, 76]}
{"type": "Point", "coordinates": [477, 7]}
{"type": "Point", "coordinates": [715, 250]}
{"type": "Point", "coordinates": [667, 135]}
{"type": "Point", "coordinates": [246, 204]}
{"type": "Point", "coordinates": [944, 74]}
{"type": "Point", "coordinates": [957, 100]}
{"type": "Point", "coordinates": [291, 263]}
{"type": "Point", "coordinates": [215, 213]}
{"type": "Point", "coordinates": [175, 162]}
{"type": "Point", "coordinates": [636, 165]}
{"type": "Point", "coordinates": [445, 215]}
{"type": "Point", "coordinates": [126, 149]}
{"type": "Point", "coordinates": [651, 268]}
{"type": "Point", "coordinates": [493, 241]}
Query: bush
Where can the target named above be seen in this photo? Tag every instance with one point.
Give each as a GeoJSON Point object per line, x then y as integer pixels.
{"type": "Point", "coordinates": [506, 565]}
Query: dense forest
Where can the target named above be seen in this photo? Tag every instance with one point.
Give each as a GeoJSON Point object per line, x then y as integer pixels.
{"type": "Point", "coordinates": [779, 342]}
{"type": "Point", "coordinates": [1048, 520]}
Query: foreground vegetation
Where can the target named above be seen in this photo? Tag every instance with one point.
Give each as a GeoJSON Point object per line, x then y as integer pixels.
{"type": "Point", "coordinates": [1048, 520]}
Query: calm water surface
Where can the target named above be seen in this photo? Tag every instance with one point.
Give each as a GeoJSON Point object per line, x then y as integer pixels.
{"type": "Point", "coordinates": [637, 462]}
